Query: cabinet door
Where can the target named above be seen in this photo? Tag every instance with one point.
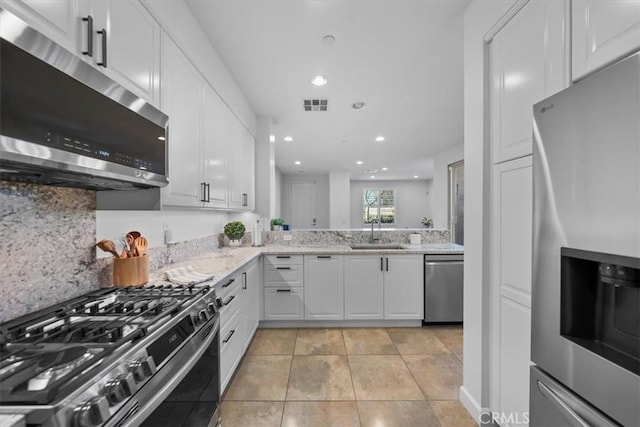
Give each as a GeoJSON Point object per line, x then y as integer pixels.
{"type": "Point", "coordinates": [230, 349]}
{"type": "Point", "coordinates": [249, 171]}
{"type": "Point", "coordinates": [251, 299]}
{"type": "Point", "coordinates": [363, 287]}
{"type": "Point", "coordinates": [323, 287]}
{"type": "Point", "coordinates": [56, 19]}
{"type": "Point", "coordinates": [214, 152]}
{"type": "Point", "coordinates": [133, 49]}
{"type": "Point", "coordinates": [181, 100]}
{"type": "Point", "coordinates": [511, 254]}
{"type": "Point", "coordinates": [237, 168]}
{"type": "Point", "coordinates": [283, 303]}
{"type": "Point", "coordinates": [403, 287]}
{"type": "Point", "coordinates": [528, 63]}
{"type": "Point", "coordinates": [602, 32]}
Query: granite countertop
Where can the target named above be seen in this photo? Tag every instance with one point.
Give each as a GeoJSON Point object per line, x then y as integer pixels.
{"type": "Point", "coordinates": [225, 261]}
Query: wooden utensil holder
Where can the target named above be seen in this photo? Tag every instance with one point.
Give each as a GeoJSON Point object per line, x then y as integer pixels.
{"type": "Point", "coordinates": [132, 271]}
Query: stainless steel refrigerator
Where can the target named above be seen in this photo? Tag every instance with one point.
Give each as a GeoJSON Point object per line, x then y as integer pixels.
{"type": "Point", "coordinates": [586, 262]}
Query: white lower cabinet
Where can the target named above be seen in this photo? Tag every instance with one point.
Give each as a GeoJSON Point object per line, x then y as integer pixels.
{"type": "Point", "coordinates": [250, 303]}
{"type": "Point", "coordinates": [363, 287]}
{"type": "Point", "coordinates": [230, 348]}
{"type": "Point", "coordinates": [404, 287]}
{"type": "Point", "coordinates": [284, 303]}
{"type": "Point", "coordinates": [324, 287]}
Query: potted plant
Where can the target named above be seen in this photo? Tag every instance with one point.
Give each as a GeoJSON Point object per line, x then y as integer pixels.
{"type": "Point", "coordinates": [276, 224]}
{"type": "Point", "coordinates": [427, 222]}
{"type": "Point", "coordinates": [235, 232]}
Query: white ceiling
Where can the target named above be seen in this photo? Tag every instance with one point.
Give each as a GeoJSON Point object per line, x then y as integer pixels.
{"type": "Point", "coordinates": [402, 58]}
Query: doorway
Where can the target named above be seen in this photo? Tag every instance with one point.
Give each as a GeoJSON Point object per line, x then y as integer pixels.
{"type": "Point", "coordinates": [303, 204]}
{"type": "Point", "coordinates": [456, 202]}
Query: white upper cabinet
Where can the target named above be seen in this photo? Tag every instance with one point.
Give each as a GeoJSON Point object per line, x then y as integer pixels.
{"type": "Point", "coordinates": [528, 64]}
{"type": "Point", "coordinates": [602, 32]}
{"type": "Point", "coordinates": [180, 100]}
{"type": "Point", "coordinates": [56, 19]}
{"type": "Point", "coordinates": [133, 48]}
{"type": "Point", "coordinates": [214, 149]}
{"type": "Point", "coordinates": [119, 37]}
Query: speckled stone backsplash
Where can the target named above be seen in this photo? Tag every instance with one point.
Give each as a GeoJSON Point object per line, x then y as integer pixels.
{"type": "Point", "coordinates": [345, 237]}
{"type": "Point", "coordinates": [47, 254]}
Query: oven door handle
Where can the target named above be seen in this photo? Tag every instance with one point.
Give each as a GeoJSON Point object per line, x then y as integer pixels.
{"type": "Point", "coordinates": [568, 406]}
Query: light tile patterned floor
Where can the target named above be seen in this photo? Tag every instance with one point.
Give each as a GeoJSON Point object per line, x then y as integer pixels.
{"type": "Point", "coordinates": [343, 377]}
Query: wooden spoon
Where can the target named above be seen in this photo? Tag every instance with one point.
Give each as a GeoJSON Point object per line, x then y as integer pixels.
{"type": "Point", "coordinates": [108, 246]}
{"type": "Point", "coordinates": [140, 244]}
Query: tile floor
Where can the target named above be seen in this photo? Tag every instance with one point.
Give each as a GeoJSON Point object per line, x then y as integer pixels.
{"type": "Point", "coordinates": [369, 377]}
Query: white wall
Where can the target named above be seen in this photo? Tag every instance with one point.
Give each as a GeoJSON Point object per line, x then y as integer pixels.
{"type": "Point", "coordinates": [278, 193]}
{"type": "Point", "coordinates": [413, 201]}
{"type": "Point", "coordinates": [265, 169]}
{"type": "Point", "coordinates": [322, 200]}
{"type": "Point", "coordinates": [480, 17]}
{"type": "Point", "coordinates": [339, 199]}
{"type": "Point", "coordinates": [177, 20]}
{"type": "Point", "coordinates": [440, 188]}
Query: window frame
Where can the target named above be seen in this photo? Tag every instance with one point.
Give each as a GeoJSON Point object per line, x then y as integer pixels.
{"type": "Point", "coordinates": [378, 206]}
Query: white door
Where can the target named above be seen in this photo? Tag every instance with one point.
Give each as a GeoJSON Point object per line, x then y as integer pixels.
{"type": "Point", "coordinates": [303, 204]}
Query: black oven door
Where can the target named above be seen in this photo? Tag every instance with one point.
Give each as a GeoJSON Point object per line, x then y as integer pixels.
{"type": "Point", "coordinates": [196, 399]}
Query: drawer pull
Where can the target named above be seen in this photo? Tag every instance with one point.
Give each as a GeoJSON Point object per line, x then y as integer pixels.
{"type": "Point", "coordinates": [89, 21]}
{"type": "Point", "coordinates": [231, 298]}
{"type": "Point", "coordinates": [283, 290]}
{"type": "Point", "coordinates": [228, 283]}
{"type": "Point", "coordinates": [283, 256]}
{"type": "Point", "coordinates": [324, 256]}
{"type": "Point", "coordinates": [226, 340]}
{"type": "Point", "coordinates": [283, 268]}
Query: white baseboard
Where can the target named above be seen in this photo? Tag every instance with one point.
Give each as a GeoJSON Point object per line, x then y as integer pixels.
{"type": "Point", "coordinates": [339, 323]}
{"type": "Point", "coordinates": [470, 404]}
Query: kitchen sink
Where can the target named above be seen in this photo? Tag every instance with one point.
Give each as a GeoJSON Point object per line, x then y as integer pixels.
{"type": "Point", "coordinates": [376, 246]}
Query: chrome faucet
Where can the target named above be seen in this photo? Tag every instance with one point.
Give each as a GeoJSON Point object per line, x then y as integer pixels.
{"type": "Point", "coordinates": [372, 239]}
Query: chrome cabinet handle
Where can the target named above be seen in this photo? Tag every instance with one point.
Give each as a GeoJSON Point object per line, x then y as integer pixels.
{"type": "Point", "coordinates": [387, 264]}
{"type": "Point", "coordinates": [283, 256]}
{"type": "Point", "coordinates": [228, 283]}
{"type": "Point", "coordinates": [244, 280]}
{"type": "Point", "coordinates": [283, 290]}
{"type": "Point", "coordinates": [89, 21]}
{"type": "Point", "coordinates": [203, 186]}
{"type": "Point", "coordinates": [381, 263]}
{"type": "Point", "coordinates": [226, 340]}
{"type": "Point", "coordinates": [103, 62]}
{"type": "Point", "coordinates": [231, 298]}
{"type": "Point", "coordinates": [283, 268]}
{"type": "Point", "coordinates": [324, 256]}
{"type": "Point", "coordinates": [245, 199]}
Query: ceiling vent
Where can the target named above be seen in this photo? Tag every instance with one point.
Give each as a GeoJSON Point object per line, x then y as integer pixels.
{"type": "Point", "coordinates": [370, 170]}
{"type": "Point", "coordinates": [316, 104]}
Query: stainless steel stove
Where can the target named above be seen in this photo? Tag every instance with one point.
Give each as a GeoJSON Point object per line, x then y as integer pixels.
{"type": "Point", "coordinates": [112, 357]}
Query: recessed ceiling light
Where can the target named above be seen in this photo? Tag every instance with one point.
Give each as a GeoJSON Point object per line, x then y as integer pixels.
{"type": "Point", "coordinates": [385, 169]}
{"type": "Point", "coordinates": [288, 138]}
{"type": "Point", "coordinates": [358, 105]}
{"type": "Point", "coordinates": [319, 80]}
{"type": "Point", "coordinates": [272, 138]}
{"type": "Point", "coordinates": [328, 39]}
{"type": "Point", "coordinates": [372, 177]}
{"type": "Point", "coordinates": [379, 138]}
{"type": "Point", "coordinates": [415, 176]}
{"type": "Point", "coordinates": [297, 162]}
{"type": "Point", "coordinates": [161, 138]}
{"type": "Point", "coordinates": [358, 162]}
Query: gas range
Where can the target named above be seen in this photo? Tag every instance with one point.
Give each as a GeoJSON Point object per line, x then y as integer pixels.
{"type": "Point", "coordinates": [105, 357]}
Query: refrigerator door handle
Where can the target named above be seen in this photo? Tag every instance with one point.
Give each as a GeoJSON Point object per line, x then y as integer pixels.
{"type": "Point", "coordinates": [559, 403]}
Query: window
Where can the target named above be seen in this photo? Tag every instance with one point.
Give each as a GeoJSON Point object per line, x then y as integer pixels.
{"type": "Point", "coordinates": [379, 204]}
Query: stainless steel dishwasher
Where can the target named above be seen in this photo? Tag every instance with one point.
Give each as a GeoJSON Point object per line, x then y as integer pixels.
{"type": "Point", "coordinates": [443, 288]}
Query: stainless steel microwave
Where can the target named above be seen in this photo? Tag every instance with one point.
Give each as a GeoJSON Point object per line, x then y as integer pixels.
{"type": "Point", "coordinates": [64, 123]}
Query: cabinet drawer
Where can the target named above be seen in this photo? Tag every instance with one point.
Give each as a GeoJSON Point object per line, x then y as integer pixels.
{"type": "Point", "coordinates": [231, 304]}
{"type": "Point", "coordinates": [284, 303]}
{"type": "Point", "coordinates": [230, 348]}
{"type": "Point", "coordinates": [289, 275]}
{"type": "Point", "coordinates": [280, 260]}
{"type": "Point", "coordinates": [228, 285]}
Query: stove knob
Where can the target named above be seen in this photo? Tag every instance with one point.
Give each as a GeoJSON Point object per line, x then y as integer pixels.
{"type": "Point", "coordinates": [219, 302]}
{"type": "Point", "coordinates": [142, 368]}
{"type": "Point", "coordinates": [93, 412]}
{"type": "Point", "coordinates": [119, 388]}
{"type": "Point", "coordinates": [202, 316]}
{"type": "Point", "coordinates": [212, 308]}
